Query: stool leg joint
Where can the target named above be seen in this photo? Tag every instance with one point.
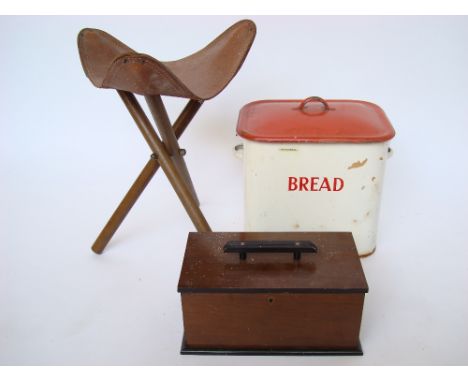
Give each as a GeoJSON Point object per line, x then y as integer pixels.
{"type": "Point", "coordinates": [182, 153]}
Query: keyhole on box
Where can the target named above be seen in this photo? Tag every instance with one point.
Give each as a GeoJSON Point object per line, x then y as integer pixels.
{"type": "Point", "coordinates": [270, 300]}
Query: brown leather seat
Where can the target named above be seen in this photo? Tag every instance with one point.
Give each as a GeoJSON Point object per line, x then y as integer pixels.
{"type": "Point", "coordinates": [109, 63]}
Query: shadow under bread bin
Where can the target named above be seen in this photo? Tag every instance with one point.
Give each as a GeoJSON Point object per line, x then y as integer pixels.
{"type": "Point", "coordinates": [246, 293]}
{"type": "Point", "coordinates": [315, 165]}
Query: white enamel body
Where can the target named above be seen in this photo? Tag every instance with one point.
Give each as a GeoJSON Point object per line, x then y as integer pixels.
{"type": "Point", "coordinates": [269, 206]}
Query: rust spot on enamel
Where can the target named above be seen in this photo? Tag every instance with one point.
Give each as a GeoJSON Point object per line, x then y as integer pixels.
{"type": "Point", "coordinates": [358, 164]}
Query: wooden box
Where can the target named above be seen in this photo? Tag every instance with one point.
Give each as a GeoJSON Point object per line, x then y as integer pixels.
{"type": "Point", "coordinates": [260, 299]}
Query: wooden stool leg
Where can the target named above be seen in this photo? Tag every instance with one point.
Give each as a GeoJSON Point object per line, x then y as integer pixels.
{"type": "Point", "coordinates": [141, 182]}
{"type": "Point", "coordinates": [169, 138]}
{"type": "Point", "coordinates": [125, 205]}
{"type": "Point", "coordinates": [186, 116]}
{"type": "Point", "coordinates": [177, 181]}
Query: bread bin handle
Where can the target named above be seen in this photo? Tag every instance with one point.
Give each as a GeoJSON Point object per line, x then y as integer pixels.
{"type": "Point", "coordinates": [315, 99]}
{"type": "Point", "coordinates": [270, 246]}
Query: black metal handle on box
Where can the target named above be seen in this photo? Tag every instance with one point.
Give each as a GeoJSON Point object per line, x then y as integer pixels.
{"type": "Point", "coordinates": [270, 246]}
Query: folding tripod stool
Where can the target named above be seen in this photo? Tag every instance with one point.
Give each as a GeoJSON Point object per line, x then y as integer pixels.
{"type": "Point", "coordinates": [109, 63]}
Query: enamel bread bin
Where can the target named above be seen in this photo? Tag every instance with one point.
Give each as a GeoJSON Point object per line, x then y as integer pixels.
{"type": "Point", "coordinates": [315, 165]}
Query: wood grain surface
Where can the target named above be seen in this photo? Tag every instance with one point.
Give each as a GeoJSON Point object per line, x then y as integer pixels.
{"type": "Point", "coordinates": [334, 268]}
{"type": "Point", "coordinates": [272, 321]}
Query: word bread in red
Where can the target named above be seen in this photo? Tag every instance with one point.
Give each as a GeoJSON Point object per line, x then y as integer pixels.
{"type": "Point", "coordinates": [314, 183]}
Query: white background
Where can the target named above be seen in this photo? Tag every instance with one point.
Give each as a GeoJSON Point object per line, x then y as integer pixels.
{"type": "Point", "coordinates": [69, 152]}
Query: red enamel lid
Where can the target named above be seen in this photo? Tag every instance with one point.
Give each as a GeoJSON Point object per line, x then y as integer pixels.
{"type": "Point", "coordinates": [314, 120]}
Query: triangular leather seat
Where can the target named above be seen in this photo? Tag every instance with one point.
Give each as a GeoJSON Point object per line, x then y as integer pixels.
{"type": "Point", "coordinates": [109, 63]}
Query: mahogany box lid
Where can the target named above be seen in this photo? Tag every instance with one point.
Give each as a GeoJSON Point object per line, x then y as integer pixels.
{"type": "Point", "coordinates": [334, 267]}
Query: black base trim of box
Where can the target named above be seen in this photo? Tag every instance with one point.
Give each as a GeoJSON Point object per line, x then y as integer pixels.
{"type": "Point", "coordinates": [295, 352]}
